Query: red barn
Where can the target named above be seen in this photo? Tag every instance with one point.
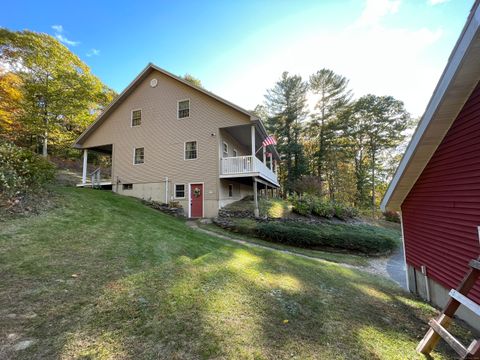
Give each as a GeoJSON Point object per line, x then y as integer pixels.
{"type": "Point", "coordinates": [437, 184]}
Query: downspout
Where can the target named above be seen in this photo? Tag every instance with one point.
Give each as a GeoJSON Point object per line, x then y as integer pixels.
{"type": "Point", "coordinates": [427, 287]}
{"type": "Point", "coordinates": [404, 254]}
{"type": "Point", "coordinates": [166, 189]}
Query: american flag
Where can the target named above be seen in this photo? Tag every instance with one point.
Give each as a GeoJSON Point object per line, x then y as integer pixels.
{"type": "Point", "coordinates": [269, 140]}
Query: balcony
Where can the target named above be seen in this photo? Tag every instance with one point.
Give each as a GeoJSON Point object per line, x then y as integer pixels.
{"type": "Point", "coordinates": [245, 166]}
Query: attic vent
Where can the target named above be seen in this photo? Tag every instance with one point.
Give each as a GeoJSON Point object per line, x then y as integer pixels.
{"type": "Point", "coordinates": [153, 83]}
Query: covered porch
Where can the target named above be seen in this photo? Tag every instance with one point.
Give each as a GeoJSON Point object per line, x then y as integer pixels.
{"type": "Point", "coordinates": [252, 161]}
{"type": "Point", "coordinates": [97, 174]}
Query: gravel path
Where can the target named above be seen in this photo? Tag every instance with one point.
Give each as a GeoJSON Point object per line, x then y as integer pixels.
{"type": "Point", "coordinates": [391, 267]}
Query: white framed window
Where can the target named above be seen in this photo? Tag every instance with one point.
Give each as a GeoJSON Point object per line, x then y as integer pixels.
{"type": "Point", "coordinates": [183, 108]}
{"type": "Point", "coordinates": [179, 191]}
{"type": "Point", "coordinates": [230, 190]}
{"type": "Point", "coordinates": [225, 149]}
{"type": "Point", "coordinates": [138, 156]}
{"type": "Point", "coordinates": [235, 152]}
{"type": "Point", "coordinates": [136, 117]}
{"type": "Point", "coordinates": [191, 152]}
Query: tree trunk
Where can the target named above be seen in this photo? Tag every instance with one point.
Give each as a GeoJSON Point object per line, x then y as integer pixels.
{"type": "Point", "coordinates": [373, 184]}
{"type": "Point", "coordinates": [45, 140]}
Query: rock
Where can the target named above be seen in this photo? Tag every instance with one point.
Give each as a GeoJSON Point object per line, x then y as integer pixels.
{"type": "Point", "coordinates": [12, 337]}
{"type": "Point", "coordinates": [22, 345]}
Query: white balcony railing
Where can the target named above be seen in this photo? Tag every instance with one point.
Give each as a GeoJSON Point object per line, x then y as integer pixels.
{"type": "Point", "coordinates": [246, 165]}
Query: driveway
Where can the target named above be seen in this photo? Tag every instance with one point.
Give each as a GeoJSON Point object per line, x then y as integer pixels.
{"type": "Point", "coordinates": [396, 268]}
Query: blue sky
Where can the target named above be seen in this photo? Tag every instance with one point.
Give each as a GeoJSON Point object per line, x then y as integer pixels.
{"type": "Point", "coordinates": [239, 48]}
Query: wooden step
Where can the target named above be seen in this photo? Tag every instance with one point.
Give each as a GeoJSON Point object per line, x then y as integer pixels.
{"type": "Point", "coordinates": [449, 338]}
{"type": "Point", "coordinates": [462, 299]}
{"type": "Point", "coordinates": [474, 264]}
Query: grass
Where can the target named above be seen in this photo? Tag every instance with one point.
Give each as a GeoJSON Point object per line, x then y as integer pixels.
{"type": "Point", "coordinates": [104, 277]}
{"type": "Point", "coordinates": [274, 208]}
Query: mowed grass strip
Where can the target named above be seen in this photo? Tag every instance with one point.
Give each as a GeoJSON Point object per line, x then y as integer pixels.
{"type": "Point", "coordinates": [104, 277]}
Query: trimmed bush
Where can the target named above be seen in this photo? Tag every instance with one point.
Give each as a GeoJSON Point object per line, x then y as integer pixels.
{"type": "Point", "coordinates": [22, 171]}
{"type": "Point", "coordinates": [358, 238]}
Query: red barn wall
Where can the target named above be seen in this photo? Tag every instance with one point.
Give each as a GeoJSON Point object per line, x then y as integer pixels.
{"type": "Point", "coordinates": [442, 211]}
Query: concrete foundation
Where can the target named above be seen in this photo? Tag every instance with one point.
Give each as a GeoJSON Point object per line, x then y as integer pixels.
{"type": "Point", "coordinates": [432, 291]}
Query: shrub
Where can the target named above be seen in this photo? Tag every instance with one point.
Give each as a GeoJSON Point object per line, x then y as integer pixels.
{"type": "Point", "coordinates": [302, 206]}
{"type": "Point", "coordinates": [323, 208]}
{"type": "Point", "coordinates": [311, 205]}
{"type": "Point", "coordinates": [22, 171]}
{"type": "Point", "coordinates": [359, 238]}
{"type": "Point", "coordinates": [392, 216]}
{"type": "Point", "coordinates": [344, 212]}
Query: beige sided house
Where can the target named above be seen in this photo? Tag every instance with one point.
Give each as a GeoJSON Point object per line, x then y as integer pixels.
{"type": "Point", "coordinates": [170, 140]}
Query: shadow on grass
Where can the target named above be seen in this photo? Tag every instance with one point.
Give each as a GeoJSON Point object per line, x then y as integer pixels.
{"type": "Point", "coordinates": [149, 287]}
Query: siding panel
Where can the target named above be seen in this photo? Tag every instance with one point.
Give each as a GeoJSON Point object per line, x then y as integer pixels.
{"type": "Point", "coordinates": [442, 211]}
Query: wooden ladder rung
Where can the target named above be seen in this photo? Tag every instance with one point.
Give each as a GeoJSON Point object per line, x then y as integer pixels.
{"type": "Point", "coordinates": [449, 338]}
{"type": "Point", "coordinates": [462, 299]}
{"type": "Point", "coordinates": [474, 264]}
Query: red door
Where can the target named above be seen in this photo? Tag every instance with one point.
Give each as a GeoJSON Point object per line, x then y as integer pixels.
{"type": "Point", "coordinates": [196, 200]}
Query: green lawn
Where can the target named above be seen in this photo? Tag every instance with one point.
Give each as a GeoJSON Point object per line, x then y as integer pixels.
{"type": "Point", "coordinates": [146, 286]}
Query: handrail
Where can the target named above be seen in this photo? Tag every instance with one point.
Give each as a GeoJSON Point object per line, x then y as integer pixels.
{"type": "Point", "coordinates": [233, 165]}
{"type": "Point", "coordinates": [95, 178]}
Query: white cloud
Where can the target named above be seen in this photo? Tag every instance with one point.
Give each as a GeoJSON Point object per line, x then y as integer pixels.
{"type": "Point", "coordinates": [376, 9]}
{"type": "Point", "coordinates": [377, 59]}
{"type": "Point", "coordinates": [93, 52]}
{"type": "Point", "coordinates": [57, 28]}
{"type": "Point", "coordinates": [436, 2]}
{"type": "Point", "coordinates": [62, 38]}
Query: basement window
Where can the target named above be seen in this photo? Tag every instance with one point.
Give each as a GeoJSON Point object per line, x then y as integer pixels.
{"type": "Point", "coordinates": [179, 191]}
{"type": "Point", "coordinates": [230, 190]}
{"type": "Point", "coordinates": [127, 186]}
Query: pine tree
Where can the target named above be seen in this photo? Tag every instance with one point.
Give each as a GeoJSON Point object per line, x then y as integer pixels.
{"type": "Point", "coordinates": [286, 105]}
{"type": "Point", "coordinates": [334, 96]}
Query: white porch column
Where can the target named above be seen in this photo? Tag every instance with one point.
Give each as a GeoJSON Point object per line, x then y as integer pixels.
{"type": "Point", "coordinates": [253, 139]}
{"type": "Point", "coordinates": [256, 212]}
{"type": "Point", "coordinates": [85, 165]}
{"type": "Point", "coordinates": [264, 155]}
{"type": "Point", "coordinates": [271, 161]}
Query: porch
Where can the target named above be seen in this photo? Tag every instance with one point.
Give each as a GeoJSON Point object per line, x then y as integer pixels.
{"type": "Point", "coordinates": [242, 154]}
{"type": "Point", "coordinates": [247, 166]}
{"type": "Point", "coordinates": [246, 157]}
{"type": "Point", "coordinates": [97, 174]}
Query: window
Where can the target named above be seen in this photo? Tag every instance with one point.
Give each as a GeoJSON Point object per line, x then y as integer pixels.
{"type": "Point", "coordinates": [230, 190]}
{"type": "Point", "coordinates": [183, 109]}
{"type": "Point", "coordinates": [136, 117]}
{"type": "Point", "coordinates": [127, 186]}
{"type": "Point", "coordinates": [179, 191]}
{"type": "Point", "coordinates": [235, 153]}
{"type": "Point", "coordinates": [225, 149]}
{"type": "Point", "coordinates": [190, 150]}
{"type": "Point", "coordinates": [139, 157]}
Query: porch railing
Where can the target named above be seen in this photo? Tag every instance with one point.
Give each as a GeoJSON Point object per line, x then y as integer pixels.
{"type": "Point", "coordinates": [238, 165]}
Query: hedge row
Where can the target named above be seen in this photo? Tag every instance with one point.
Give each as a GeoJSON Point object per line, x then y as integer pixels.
{"type": "Point", "coordinates": [356, 238]}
